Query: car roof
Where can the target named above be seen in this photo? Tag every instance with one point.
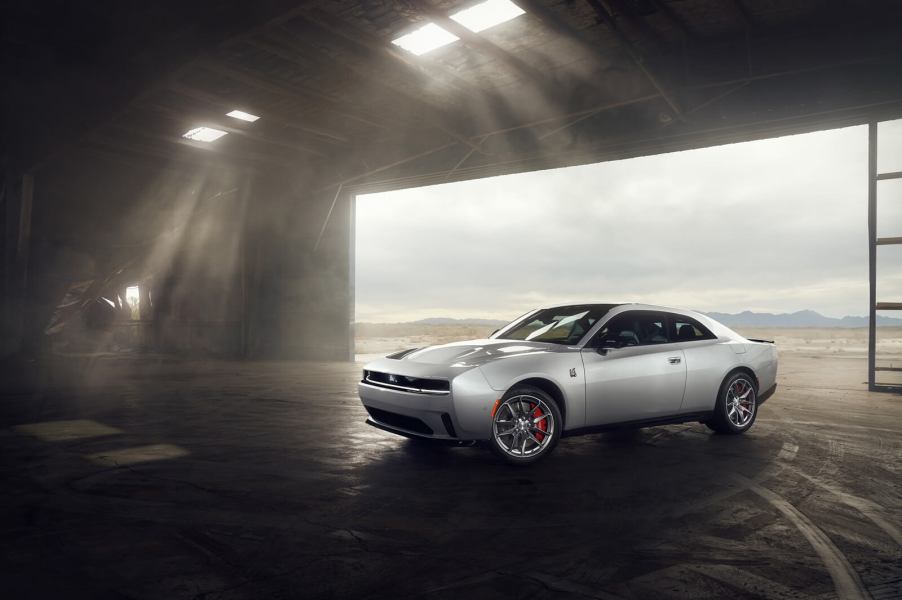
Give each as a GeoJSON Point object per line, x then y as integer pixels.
{"type": "Point", "coordinates": [718, 328]}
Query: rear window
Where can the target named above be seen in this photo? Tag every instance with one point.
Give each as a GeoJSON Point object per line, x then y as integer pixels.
{"type": "Point", "coordinates": [687, 329]}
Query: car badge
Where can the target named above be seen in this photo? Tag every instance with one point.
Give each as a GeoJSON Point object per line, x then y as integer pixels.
{"type": "Point", "coordinates": [573, 372]}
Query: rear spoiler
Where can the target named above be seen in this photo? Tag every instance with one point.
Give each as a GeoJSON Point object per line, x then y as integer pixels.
{"type": "Point", "coordinates": [760, 341]}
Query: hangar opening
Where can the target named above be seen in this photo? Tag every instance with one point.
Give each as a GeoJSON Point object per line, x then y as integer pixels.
{"type": "Point", "coordinates": [644, 230]}
{"type": "Point", "coordinates": [180, 412]}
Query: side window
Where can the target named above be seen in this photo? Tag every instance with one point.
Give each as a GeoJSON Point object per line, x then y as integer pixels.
{"type": "Point", "coordinates": [687, 329]}
{"type": "Point", "coordinates": [634, 328]}
{"type": "Point", "coordinates": [654, 328]}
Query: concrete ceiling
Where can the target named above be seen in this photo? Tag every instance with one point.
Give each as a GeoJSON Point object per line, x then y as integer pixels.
{"type": "Point", "coordinates": [569, 82]}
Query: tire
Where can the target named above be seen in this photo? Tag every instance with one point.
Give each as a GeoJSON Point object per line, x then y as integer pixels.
{"type": "Point", "coordinates": [526, 425]}
{"type": "Point", "coordinates": [737, 396]}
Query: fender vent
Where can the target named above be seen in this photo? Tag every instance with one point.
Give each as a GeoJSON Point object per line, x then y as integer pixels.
{"type": "Point", "coordinates": [449, 426]}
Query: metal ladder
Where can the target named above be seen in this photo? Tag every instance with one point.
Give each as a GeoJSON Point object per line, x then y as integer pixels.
{"type": "Point", "coordinates": [873, 242]}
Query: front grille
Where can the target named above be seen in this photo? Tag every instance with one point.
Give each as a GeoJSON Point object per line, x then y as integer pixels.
{"type": "Point", "coordinates": [401, 421]}
{"type": "Point", "coordinates": [408, 384]}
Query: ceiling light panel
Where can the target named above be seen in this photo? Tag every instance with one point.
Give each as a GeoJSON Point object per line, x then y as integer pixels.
{"type": "Point", "coordinates": [244, 116]}
{"type": "Point", "coordinates": [487, 14]}
{"type": "Point", "coordinates": [204, 134]}
{"type": "Point", "coordinates": [426, 38]}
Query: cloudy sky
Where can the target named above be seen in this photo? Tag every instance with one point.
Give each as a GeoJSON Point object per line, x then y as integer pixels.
{"type": "Point", "coordinates": [776, 225]}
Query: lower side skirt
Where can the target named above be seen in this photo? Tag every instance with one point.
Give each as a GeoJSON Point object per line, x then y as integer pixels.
{"type": "Point", "coordinates": [670, 420]}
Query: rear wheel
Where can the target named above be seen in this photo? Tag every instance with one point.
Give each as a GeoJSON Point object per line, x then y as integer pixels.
{"type": "Point", "coordinates": [737, 405]}
{"type": "Point", "coordinates": [526, 425]}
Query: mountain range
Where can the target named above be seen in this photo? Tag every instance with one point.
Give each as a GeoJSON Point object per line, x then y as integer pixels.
{"type": "Point", "coordinates": [802, 318]}
{"type": "Point", "coordinates": [747, 318]}
{"type": "Point", "coordinates": [449, 321]}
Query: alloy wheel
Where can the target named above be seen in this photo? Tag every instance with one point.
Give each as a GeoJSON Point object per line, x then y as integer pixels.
{"type": "Point", "coordinates": [523, 426]}
{"type": "Point", "coordinates": [740, 402]}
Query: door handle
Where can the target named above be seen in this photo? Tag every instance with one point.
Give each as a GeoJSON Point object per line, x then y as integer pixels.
{"type": "Point", "coordinates": [674, 360]}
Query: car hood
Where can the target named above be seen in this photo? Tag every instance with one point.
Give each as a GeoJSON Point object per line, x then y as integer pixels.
{"type": "Point", "coordinates": [448, 360]}
{"type": "Point", "coordinates": [475, 352]}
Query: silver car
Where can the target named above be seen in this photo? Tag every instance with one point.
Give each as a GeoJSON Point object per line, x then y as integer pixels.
{"type": "Point", "coordinates": [572, 369]}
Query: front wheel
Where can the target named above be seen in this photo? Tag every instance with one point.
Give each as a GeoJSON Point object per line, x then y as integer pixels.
{"type": "Point", "coordinates": [737, 405]}
{"type": "Point", "coordinates": [526, 425]}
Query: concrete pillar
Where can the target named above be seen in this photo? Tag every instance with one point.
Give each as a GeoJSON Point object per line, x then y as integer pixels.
{"type": "Point", "coordinates": [299, 290]}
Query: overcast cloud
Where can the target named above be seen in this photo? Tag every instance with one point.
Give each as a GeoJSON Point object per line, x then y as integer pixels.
{"type": "Point", "coordinates": [776, 225]}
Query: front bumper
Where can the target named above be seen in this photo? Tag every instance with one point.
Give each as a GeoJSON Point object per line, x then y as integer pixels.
{"type": "Point", "coordinates": [416, 436]}
{"type": "Point", "coordinates": [409, 413]}
{"type": "Point", "coordinates": [461, 414]}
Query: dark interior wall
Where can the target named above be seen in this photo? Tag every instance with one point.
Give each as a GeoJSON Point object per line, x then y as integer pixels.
{"type": "Point", "coordinates": [298, 274]}
{"type": "Point", "coordinates": [109, 226]}
{"type": "Point", "coordinates": [237, 262]}
{"type": "Point", "coordinates": [15, 227]}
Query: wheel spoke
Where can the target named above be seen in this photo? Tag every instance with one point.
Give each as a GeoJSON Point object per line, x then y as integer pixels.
{"type": "Point", "coordinates": [739, 402]}
{"type": "Point", "coordinates": [518, 431]}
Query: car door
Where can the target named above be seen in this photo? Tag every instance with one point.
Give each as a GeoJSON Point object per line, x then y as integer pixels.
{"type": "Point", "coordinates": [633, 372]}
{"type": "Point", "coordinates": [706, 361]}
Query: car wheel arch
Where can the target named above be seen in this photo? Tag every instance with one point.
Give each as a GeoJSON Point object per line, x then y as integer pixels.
{"type": "Point", "coordinates": [550, 388]}
{"type": "Point", "coordinates": [741, 369]}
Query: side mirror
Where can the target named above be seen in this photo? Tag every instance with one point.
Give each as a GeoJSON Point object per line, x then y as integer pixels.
{"type": "Point", "coordinates": [607, 344]}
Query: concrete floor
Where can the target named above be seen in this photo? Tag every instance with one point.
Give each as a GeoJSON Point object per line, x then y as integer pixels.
{"type": "Point", "coordinates": [261, 480]}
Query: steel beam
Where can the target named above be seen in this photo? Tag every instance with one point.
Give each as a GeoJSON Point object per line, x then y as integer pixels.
{"type": "Point", "coordinates": [431, 116]}
{"type": "Point", "coordinates": [872, 253]}
{"type": "Point", "coordinates": [607, 18]}
{"type": "Point", "coordinates": [223, 103]}
{"type": "Point", "coordinates": [318, 101]}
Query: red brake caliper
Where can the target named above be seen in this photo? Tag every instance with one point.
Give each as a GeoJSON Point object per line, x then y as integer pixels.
{"type": "Point", "coordinates": [543, 425]}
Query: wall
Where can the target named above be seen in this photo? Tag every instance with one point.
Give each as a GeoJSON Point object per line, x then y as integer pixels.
{"type": "Point", "coordinates": [229, 255]}
{"type": "Point", "coordinates": [298, 290]}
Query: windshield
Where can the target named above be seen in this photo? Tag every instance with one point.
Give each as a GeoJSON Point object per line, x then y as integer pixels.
{"type": "Point", "coordinates": [560, 325]}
